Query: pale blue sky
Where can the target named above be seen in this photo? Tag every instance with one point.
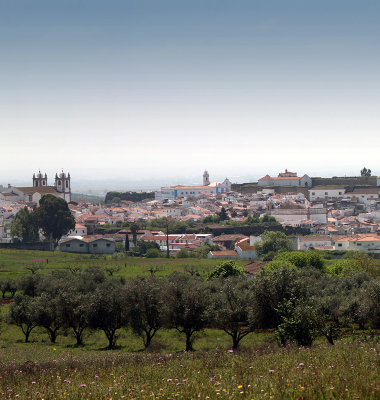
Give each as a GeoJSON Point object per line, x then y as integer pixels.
{"type": "Point", "coordinates": [140, 89]}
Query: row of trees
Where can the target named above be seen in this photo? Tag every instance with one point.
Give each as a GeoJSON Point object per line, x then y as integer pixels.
{"type": "Point", "coordinates": [53, 217]}
{"type": "Point", "coordinates": [302, 304]}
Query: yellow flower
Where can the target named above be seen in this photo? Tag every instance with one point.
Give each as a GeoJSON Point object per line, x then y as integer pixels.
{"type": "Point", "coordinates": [240, 386]}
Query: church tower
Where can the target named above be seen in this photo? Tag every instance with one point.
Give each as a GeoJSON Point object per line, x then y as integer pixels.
{"type": "Point", "coordinates": [62, 185]}
{"type": "Point", "coordinates": [39, 180]}
{"type": "Point", "coordinates": [206, 180]}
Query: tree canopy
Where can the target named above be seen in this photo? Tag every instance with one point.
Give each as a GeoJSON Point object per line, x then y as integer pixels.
{"type": "Point", "coordinates": [54, 217]}
{"type": "Point", "coordinates": [24, 226]}
{"type": "Point", "coordinates": [273, 242]}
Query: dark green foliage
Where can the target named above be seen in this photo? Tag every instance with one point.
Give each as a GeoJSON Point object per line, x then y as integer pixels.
{"type": "Point", "coordinates": [22, 314]}
{"type": "Point", "coordinates": [29, 283]}
{"type": "Point", "coordinates": [300, 322]}
{"type": "Point", "coordinates": [24, 226]}
{"type": "Point", "coordinates": [54, 217]}
{"type": "Point", "coordinates": [211, 219]}
{"type": "Point", "coordinates": [223, 214]}
{"type": "Point", "coordinates": [73, 309]}
{"type": "Point", "coordinates": [107, 311]}
{"type": "Point", "coordinates": [182, 254]}
{"type": "Point", "coordinates": [271, 289]}
{"type": "Point", "coordinates": [145, 246]}
{"type": "Point", "coordinates": [186, 303]}
{"type": "Point", "coordinates": [365, 172]}
{"type": "Point", "coordinates": [129, 196]}
{"type": "Point", "coordinates": [226, 269]}
{"type": "Point", "coordinates": [273, 242]}
{"type": "Point", "coordinates": [153, 253]}
{"type": "Point", "coordinates": [231, 308]}
{"type": "Point", "coordinates": [145, 303]}
{"type": "Point", "coordinates": [47, 315]}
{"type": "Point", "coordinates": [297, 259]}
{"type": "Point", "coordinates": [8, 285]}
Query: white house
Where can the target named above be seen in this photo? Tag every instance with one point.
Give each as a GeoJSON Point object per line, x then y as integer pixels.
{"type": "Point", "coordinates": [285, 179]}
{"type": "Point", "coordinates": [369, 243]}
{"type": "Point", "coordinates": [319, 193]}
{"type": "Point", "coordinates": [305, 242]}
{"type": "Point", "coordinates": [173, 192]}
{"type": "Point", "coordinates": [92, 246]}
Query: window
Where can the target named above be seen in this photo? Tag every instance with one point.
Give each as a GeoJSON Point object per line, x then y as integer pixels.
{"type": "Point", "coordinates": [108, 244]}
{"type": "Point", "coordinates": [94, 245]}
{"type": "Point", "coordinates": [81, 245]}
{"type": "Point", "coordinates": [326, 193]}
{"type": "Point", "coordinates": [67, 184]}
{"type": "Point", "coordinates": [313, 193]}
{"type": "Point", "coordinates": [358, 244]}
{"type": "Point", "coordinates": [59, 183]}
{"type": "Point", "coordinates": [340, 193]}
{"type": "Point", "coordinates": [67, 245]}
{"type": "Point", "coordinates": [340, 245]}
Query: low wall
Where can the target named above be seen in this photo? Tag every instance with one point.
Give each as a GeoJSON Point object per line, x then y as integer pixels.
{"type": "Point", "coordinates": [256, 230]}
{"type": "Point", "coordinates": [43, 246]}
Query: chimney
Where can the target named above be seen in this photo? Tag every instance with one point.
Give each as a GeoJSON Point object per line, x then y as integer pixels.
{"type": "Point", "coordinates": [9, 185]}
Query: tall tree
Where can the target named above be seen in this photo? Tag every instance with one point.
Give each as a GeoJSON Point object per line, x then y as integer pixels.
{"type": "Point", "coordinates": [231, 304]}
{"type": "Point", "coordinates": [187, 305]}
{"type": "Point", "coordinates": [145, 300]}
{"type": "Point", "coordinates": [134, 229]}
{"type": "Point", "coordinates": [54, 217]}
{"type": "Point", "coordinates": [24, 226]}
{"type": "Point", "coordinates": [223, 214]}
{"type": "Point", "coordinates": [22, 314]}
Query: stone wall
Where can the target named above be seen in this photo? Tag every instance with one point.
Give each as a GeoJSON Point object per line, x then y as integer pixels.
{"type": "Point", "coordinates": [256, 230]}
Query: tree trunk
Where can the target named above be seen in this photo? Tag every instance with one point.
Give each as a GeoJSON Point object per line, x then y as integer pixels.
{"type": "Point", "coordinates": [189, 342]}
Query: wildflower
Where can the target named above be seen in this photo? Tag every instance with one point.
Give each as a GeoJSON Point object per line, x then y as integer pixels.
{"type": "Point", "coordinates": [301, 364]}
{"type": "Point", "coordinates": [230, 351]}
{"type": "Point", "coordinates": [271, 370]}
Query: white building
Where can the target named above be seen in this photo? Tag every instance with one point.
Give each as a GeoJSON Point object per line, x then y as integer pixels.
{"type": "Point", "coordinates": [285, 179]}
{"type": "Point", "coordinates": [40, 187]}
{"type": "Point", "coordinates": [173, 192]}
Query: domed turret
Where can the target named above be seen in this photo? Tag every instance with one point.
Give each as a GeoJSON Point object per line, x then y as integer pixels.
{"type": "Point", "coordinates": [39, 180]}
{"type": "Point", "coordinates": [206, 180]}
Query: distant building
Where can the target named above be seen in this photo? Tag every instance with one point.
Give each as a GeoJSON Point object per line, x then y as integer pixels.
{"type": "Point", "coordinates": [285, 179]}
{"type": "Point", "coordinates": [173, 192]}
{"type": "Point", "coordinates": [93, 246]}
{"type": "Point", "coordinates": [40, 187]}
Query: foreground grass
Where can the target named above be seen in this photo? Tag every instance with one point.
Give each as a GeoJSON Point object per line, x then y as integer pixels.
{"type": "Point", "coordinates": [14, 263]}
{"type": "Point", "coordinates": [346, 371]}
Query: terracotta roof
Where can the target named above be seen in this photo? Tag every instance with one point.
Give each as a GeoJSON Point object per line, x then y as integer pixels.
{"type": "Point", "coordinates": [224, 253]}
{"type": "Point", "coordinates": [254, 267]}
{"type": "Point", "coordinates": [315, 238]}
{"type": "Point", "coordinates": [39, 189]}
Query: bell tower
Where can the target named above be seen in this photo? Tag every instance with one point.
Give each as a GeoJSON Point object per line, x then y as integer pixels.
{"type": "Point", "coordinates": [62, 185]}
{"type": "Point", "coordinates": [39, 180]}
{"type": "Point", "coordinates": [206, 180]}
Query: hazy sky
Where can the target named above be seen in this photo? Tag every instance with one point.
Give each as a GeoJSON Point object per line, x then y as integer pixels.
{"type": "Point", "coordinates": [142, 89]}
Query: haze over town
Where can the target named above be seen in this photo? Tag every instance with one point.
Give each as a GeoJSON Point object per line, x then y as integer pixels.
{"type": "Point", "coordinates": [138, 95]}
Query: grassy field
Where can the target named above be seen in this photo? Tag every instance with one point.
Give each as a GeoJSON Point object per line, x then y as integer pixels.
{"type": "Point", "coordinates": [13, 263]}
{"type": "Point", "coordinates": [260, 370]}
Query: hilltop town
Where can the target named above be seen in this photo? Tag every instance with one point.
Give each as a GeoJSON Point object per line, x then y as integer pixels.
{"type": "Point", "coordinates": [339, 213]}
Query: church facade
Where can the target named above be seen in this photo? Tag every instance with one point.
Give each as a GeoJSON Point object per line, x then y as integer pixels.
{"type": "Point", "coordinates": [61, 188]}
{"type": "Point", "coordinates": [210, 188]}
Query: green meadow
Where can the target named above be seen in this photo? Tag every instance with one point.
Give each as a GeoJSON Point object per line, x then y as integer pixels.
{"type": "Point", "coordinates": [14, 263]}
{"type": "Point", "coordinates": [259, 369]}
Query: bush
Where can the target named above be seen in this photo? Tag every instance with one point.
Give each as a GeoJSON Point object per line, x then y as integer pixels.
{"type": "Point", "coordinates": [226, 269]}
{"type": "Point", "coordinates": [153, 253]}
